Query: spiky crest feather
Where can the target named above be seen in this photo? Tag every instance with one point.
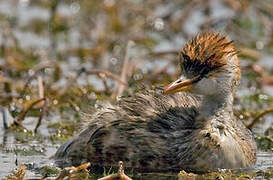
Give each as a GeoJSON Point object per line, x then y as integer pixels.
{"type": "Point", "coordinates": [210, 49]}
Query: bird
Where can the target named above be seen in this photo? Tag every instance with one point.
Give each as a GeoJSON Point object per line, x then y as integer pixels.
{"type": "Point", "coordinates": [188, 125]}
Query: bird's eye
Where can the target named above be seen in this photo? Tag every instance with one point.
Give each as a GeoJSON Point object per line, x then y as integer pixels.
{"type": "Point", "coordinates": [179, 81]}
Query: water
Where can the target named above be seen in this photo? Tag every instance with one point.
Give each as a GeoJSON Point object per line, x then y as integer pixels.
{"type": "Point", "coordinates": [264, 160]}
{"type": "Point", "coordinates": [18, 148]}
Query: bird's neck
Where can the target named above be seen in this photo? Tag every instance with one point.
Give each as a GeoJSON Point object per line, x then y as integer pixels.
{"type": "Point", "coordinates": [218, 106]}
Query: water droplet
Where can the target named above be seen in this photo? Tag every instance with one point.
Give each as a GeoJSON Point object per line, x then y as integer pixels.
{"type": "Point", "coordinates": [253, 88]}
{"type": "Point", "coordinates": [48, 70]}
{"type": "Point", "coordinates": [159, 24]}
{"type": "Point", "coordinates": [12, 108]}
{"type": "Point", "coordinates": [114, 61]}
{"type": "Point", "coordinates": [55, 101]}
{"type": "Point", "coordinates": [21, 101]}
{"type": "Point", "coordinates": [222, 170]}
{"type": "Point", "coordinates": [31, 72]}
{"type": "Point", "coordinates": [259, 45]}
{"type": "Point", "coordinates": [27, 97]}
{"type": "Point", "coordinates": [75, 7]}
{"type": "Point", "coordinates": [263, 97]}
{"type": "Point", "coordinates": [71, 171]}
{"type": "Point", "coordinates": [102, 75]}
{"type": "Point", "coordinates": [138, 76]}
{"type": "Point", "coordinates": [92, 95]}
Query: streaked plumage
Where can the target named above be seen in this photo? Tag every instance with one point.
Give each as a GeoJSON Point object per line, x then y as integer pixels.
{"type": "Point", "coordinates": [152, 131]}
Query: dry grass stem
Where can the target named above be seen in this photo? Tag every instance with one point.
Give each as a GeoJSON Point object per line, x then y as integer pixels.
{"type": "Point", "coordinates": [257, 119]}
{"type": "Point", "coordinates": [267, 80]}
{"type": "Point", "coordinates": [120, 175]}
{"type": "Point", "coordinates": [4, 117]}
{"type": "Point", "coordinates": [69, 172]}
{"type": "Point", "coordinates": [19, 174]}
{"type": "Point", "coordinates": [108, 74]}
{"type": "Point", "coordinates": [44, 109]}
{"type": "Point", "coordinates": [124, 72]}
{"type": "Point", "coordinates": [22, 115]}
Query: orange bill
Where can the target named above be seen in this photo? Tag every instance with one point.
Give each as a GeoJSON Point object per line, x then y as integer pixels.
{"type": "Point", "coordinates": [182, 84]}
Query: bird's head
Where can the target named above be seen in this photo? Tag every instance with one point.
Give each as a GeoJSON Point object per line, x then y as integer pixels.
{"type": "Point", "coordinates": [209, 66]}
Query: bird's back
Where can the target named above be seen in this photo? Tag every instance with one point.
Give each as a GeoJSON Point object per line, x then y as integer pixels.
{"type": "Point", "coordinates": [139, 130]}
{"type": "Point", "coordinates": [150, 131]}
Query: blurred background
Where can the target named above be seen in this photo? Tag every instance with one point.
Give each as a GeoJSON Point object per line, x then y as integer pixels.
{"type": "Point", "coordinates": [59, 58]}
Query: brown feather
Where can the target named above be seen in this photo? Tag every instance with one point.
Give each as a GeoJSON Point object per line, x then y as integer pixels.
{"type": "Point", "coordinates": [207, 45]}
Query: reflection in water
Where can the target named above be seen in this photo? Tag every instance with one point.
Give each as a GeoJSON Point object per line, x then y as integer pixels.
{"type": "Point", "coordinates": [17, 148]}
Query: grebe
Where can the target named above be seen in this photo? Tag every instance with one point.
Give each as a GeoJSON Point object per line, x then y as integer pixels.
{"type": "Point", "coordinates": [190, 125]}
